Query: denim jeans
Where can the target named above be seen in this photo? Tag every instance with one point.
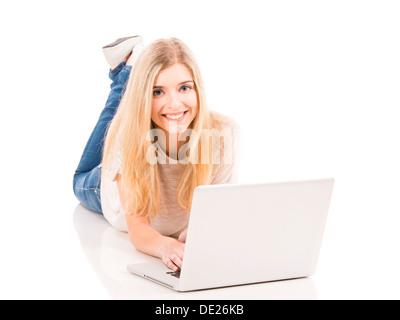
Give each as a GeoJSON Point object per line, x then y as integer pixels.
{"type": "Point", "coordinates": [87, 177]}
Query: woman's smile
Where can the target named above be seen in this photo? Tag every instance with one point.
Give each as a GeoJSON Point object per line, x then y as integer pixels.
{"type": "Point", "coordinates": [176, 116]}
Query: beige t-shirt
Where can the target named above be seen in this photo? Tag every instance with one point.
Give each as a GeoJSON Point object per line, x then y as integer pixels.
{"type": "Point", "coordinates": [171, 220]}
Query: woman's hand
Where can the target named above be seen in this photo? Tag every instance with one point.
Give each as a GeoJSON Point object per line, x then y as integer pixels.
{"type": "Point", "coordinates": [171, 252]}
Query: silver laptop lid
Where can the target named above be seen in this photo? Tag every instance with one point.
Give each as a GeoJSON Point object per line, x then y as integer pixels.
{"type": "Point", "coordinates": [240, 234]}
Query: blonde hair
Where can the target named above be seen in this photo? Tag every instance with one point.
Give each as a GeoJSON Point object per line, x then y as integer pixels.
{"type": "Point", "coordinates": [132, 123]}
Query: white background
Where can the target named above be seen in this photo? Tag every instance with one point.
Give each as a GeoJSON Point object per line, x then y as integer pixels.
{"type": "Point", "coordinates": [313, 84]}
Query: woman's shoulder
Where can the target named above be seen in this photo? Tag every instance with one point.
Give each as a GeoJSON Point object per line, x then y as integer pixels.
{"type": "Point", "coordinates": [228, 147]}
{"type": "Point", "coordinates": [228, 129]}
{"type": "Point", "coordinates": [222, 121]}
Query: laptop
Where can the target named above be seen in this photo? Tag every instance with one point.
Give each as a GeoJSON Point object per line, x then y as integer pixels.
{"type": "Point", "coordinates": [248, 233]}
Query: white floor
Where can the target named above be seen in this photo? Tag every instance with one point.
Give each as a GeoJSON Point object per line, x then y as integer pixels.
{"type": "Point", "coordinates": [314, 85]}
{"type": "Point", "coordinates": [86, 259]}
{"type": "Point", "coordinates": [344, 272]}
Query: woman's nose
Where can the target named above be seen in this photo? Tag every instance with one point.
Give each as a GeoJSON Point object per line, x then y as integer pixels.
{"type": "Point", "coordinates": [174, 101]}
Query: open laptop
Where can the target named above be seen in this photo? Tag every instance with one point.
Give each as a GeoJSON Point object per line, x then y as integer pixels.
{"type": "Point", "coordinates": [248, 233]}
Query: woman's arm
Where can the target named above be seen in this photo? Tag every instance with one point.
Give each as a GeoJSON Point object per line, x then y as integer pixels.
{"type": "Point", "coordinates": [149, 241]}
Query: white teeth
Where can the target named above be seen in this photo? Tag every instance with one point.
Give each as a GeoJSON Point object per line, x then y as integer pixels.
{"type": "Point", "coordinates": [175, 117]}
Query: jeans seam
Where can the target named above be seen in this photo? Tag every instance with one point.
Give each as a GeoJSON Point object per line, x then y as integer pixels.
{"type": "Point", "coordinates": [97, 192]}
{"type": "Point", "coordinates": [85, 189]}
{"type": "Point", "coordinates": [94, 204]}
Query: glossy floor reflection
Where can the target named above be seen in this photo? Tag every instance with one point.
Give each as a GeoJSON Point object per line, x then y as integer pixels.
{"type": "Point", "coordinates": [109, 252]}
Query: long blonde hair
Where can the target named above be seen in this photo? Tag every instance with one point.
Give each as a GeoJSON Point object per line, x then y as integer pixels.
{"type": "Point", "coordinates": [132, 123]}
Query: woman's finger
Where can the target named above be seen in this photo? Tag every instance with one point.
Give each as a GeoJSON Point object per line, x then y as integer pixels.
{"type": "Point", "coordinates": [177, 261]}
{"type": "Point", "coordinates": [168, 262]}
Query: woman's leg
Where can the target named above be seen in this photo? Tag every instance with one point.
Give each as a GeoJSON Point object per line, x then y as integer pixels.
{"type": "Point", "coordinates": [87, 176]}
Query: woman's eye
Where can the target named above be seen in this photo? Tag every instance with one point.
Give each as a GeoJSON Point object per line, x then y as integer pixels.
{"type": "Point", "coordinates": [157, 93]}
{"type": "Point", "coordinates": [185, 88]}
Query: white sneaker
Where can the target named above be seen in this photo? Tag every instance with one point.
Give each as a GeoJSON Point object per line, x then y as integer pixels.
{"type": "Point", "coordinates": [115, 52]}
{"type": "Point", "coordinates": [135, 53]}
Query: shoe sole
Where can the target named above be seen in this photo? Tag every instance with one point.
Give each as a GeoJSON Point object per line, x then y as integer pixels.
{"type": "Point", "coordinates": [115, 52]}
{"type": "Point", "coordinates": [118, 41]}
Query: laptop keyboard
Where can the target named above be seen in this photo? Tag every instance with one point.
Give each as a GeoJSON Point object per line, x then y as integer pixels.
{"type": "Point", "coordinates": [176, 274]}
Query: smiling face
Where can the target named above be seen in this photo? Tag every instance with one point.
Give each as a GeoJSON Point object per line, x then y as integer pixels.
{"type": "Point", "coordinates": [174, 104]}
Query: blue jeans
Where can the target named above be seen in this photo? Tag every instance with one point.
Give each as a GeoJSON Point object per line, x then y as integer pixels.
{"type": "Point", "coordinates": [87, 177]}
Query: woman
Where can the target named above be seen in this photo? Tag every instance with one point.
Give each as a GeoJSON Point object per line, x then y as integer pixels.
{"type": "Point", "coordinates": [154, 143]}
